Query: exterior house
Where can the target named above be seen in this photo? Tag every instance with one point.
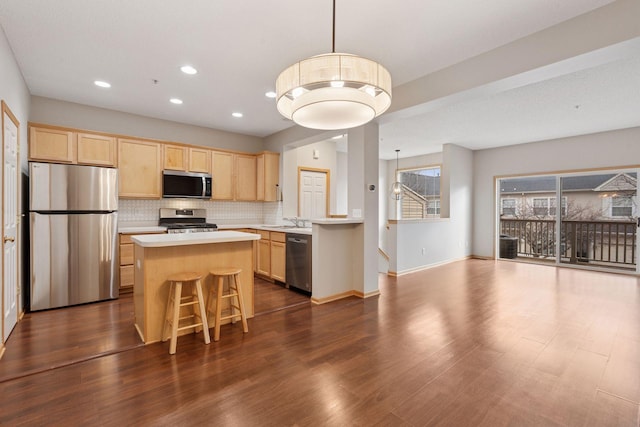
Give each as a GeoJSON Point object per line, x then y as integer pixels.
{"type": "Point", "coordinates": [597, 223]}
{"type": "Point", "coordinates": [605, 196]}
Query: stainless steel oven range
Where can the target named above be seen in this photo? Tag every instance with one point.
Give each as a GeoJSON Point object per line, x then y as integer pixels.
{"type": "Point", "coordinates": [185, 220]}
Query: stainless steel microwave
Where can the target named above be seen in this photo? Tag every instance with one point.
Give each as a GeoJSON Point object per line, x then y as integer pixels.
{"type": "Point", "coordinates": [186, 184]}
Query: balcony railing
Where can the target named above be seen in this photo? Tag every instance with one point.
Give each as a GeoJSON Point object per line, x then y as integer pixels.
{"type": "Point", "coordinates": [602, 243]}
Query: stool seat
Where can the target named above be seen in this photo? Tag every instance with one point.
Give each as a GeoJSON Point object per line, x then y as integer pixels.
{"type": "Point", "coordinates": [185, 277]}
{"type": "Point", "coordinates": [177, 319]}
{"type": "Point", "coordinates": [234, 291]}
{"type": "Point", "coordinates": [225, 271]}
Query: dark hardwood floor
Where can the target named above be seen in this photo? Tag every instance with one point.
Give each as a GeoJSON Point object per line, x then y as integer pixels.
{"type": "Point", "coordinates": [469, 343]}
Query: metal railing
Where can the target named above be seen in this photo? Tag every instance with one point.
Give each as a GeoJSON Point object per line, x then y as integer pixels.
{"type": "Point", "coordinates": [603, 243]}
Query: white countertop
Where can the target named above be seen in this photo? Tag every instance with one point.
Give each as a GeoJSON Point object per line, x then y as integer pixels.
{"type": "Point", "coordinates": [335, 221]}
{"type": "Point", "coordinates": [269, 227]}
{"type": "Point", "coordinates": [184, 239]}
{"type": "Point", "coordinates": [132, 227]}
{"type": "Point", "coordinates": [142, 229]}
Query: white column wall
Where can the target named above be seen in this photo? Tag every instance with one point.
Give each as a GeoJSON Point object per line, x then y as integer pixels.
{"type": "Point", "coordinates": [414, 245]}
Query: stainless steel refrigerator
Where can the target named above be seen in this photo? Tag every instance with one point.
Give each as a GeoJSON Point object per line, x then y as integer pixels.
{"type": "Point", "coordinates": [73, 234]}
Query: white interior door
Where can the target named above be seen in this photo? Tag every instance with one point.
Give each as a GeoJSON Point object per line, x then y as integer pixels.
{"type": "Point", "coordinates": [312, 195]}
{"type": "Point", "coordinates": [10, 224]}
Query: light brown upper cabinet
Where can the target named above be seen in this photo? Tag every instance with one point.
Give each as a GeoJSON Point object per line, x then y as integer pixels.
{"type": "Point", "coordinates": [96, 150]}
{"type": "Point", "coordinates": [222, 175]}
{"type": "Point", "coordinates": [60, 145]}
{"type": "Point", "coordinates": [245, 177]}
{"type": "Point", "coordinates": [268, 176]}
{"type": "Point", "coordinates": [140, 169]}
{"type": "Point", "coordinates": [234, 176]}
{"type": "Point", "coordinates": [52, 145]}
{"type": "Point", "coordinates": [199, 160]}
{"type": "Point", "coordinates": [175, 157]}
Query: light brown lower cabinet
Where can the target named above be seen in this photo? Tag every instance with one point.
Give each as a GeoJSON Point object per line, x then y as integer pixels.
{"type": "Point", "coordinates": [270, 255]}
{"type": "Point", "coordinates": [126, 261]}
{"type": "Point", "coordinates": [278, 256]}
{"type": "Point", "coordinates": [263, 254]}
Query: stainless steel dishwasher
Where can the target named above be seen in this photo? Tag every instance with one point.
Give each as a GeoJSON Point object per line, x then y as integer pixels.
{"type": "Point", "coordinates": [299, 261]}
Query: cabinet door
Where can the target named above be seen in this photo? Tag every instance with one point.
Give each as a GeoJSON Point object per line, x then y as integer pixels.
{"type": "Point", "coordinates": [99, 150]}
{"type": "Point", "coordinates": [199, 160]}
{"type": "Point", "coordinates": [260, 177]}
{"type": "Point", "coordinates": [245, 177]}
{"type": "Point", "coordinates": [268, 176]}
{"type": "Point", "coordinates": [278, 259]}
{"type": "Point", "coordinates": [264, 258]}
{"type": "Point", "coordinates": [222, 173]}
{"type": "Point", "coordinates": [140, 169]}
{"type": "Point", "coordinates": [271, 176]}
{"type": "Point", "coordinates": [52, 145]}
{"type": "Point", "coordinates": [175, 158]}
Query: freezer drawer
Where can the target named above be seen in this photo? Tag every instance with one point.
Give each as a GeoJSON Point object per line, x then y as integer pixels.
{"type": "Point", "coordinates": [73, 259]}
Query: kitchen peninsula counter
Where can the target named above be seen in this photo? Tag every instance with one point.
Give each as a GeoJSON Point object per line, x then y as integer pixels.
{"type": "Point", "coordinates": [157, 256]}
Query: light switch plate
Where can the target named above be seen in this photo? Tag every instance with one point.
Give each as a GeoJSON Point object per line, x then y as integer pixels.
{"type": "Point", "coordinates": [357, 213]}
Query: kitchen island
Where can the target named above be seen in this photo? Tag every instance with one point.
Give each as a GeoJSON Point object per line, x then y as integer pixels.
{"type": "Point", "coordinates": [157, 256]}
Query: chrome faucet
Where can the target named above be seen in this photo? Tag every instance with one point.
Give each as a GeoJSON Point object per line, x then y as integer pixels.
{"type": "Point", "coordinates": [296, 221]}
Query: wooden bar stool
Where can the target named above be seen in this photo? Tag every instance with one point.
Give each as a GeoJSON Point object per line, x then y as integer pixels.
{"type": "Point", "coordinates": [234, 291]}
{"type": "Point", "coordinates": [196, 319]}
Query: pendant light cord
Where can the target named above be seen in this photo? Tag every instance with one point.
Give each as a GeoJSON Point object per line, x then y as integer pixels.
{"type": "Point", "coordinates": [333, 39]}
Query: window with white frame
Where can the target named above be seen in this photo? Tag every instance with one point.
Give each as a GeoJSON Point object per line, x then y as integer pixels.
{"type": "Point", "coordinates": [509, 207]}
{"type": "Point", "coordinates": [433, 207]}
{"type": "Point", "coordinates": [622, 206]}
{"type": "Point", "coordinates": [541, 206]}
{"type": "Point", "coordinates": [420, 193]}
{"type": "Point", "coordinates": [546, 206]}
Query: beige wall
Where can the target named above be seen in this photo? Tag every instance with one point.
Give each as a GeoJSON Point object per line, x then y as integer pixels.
{"type": "Point", "coordinates": [62, 113]}
{"type": "Point", "coordinates": [614, 149]}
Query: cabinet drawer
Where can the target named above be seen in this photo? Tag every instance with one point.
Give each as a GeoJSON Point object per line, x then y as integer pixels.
{"type": "Point", "coordinates": [278, 237]}
{"type": "Point", "coordinates": [126, 275]}
{"type": "Point", "coordinates": [264, 235]}
{"type": "Point", "coordinates": [126, 254]}
{"type": "Point", "coordinates": [125, 238]}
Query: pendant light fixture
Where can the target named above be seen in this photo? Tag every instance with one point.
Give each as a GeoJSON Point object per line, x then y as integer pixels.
{"type": "Point", "coordinates": [334, 90]}
{"type": "Point", "coordinates": [396, 188]}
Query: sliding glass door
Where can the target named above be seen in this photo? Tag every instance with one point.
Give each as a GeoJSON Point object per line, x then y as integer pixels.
{"type": "Point", "coordinates": [586, 219]}
{"type": "Point", "coordinates": [599, 225]}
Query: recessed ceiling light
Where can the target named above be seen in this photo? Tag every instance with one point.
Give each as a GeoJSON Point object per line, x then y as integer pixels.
{"type": "Point", "coordinates": [100, 83]}
{"type": "Point", "coordinates": [175, 101]}
{"type": "Point", "coordinates": [237, 115]}
{"type": "Point", "coordinates": [270, 94]}
{"type": "Point", "coordinates": [188, 69]}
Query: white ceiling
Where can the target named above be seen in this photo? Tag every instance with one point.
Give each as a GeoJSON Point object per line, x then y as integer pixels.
{"type": "Point", "coordinates": [240, 48]}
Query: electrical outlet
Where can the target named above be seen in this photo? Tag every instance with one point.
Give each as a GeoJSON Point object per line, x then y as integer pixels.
{"type": "Point", "coordinates": [424, 251]}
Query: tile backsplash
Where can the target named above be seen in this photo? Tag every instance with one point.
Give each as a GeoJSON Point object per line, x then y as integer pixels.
{"type": "Point", "coordinates": [218, 212]}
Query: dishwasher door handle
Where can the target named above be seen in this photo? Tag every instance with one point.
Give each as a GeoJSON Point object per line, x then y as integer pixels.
{"type": "Point", "coordinates": [296, 240]}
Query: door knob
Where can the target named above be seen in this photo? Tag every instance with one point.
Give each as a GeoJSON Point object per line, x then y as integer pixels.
{"type": "Point", "coordinates": [9, 239]}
